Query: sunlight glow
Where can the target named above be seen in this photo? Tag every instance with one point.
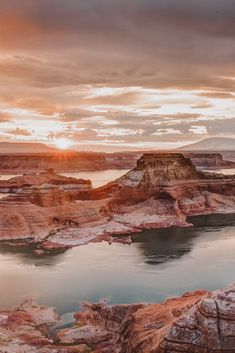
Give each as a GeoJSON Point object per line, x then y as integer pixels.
{"type": "Point", "coordinates": [62, 143]}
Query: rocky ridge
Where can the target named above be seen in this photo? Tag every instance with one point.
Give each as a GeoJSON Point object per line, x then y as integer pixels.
{"type": "Point", "coordinates": [161, 191]}
{"type": "Point", "coordinates": [71, 161]}
{"type": "Point", "coordinates": [197, 322]}
{"type": "Point", "coordinates": [67, 161]}
{"type": "Point", "coordinates": [210, 161]}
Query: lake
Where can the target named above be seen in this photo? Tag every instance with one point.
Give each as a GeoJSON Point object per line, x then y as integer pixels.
{"type": "Point", "coordinates": [98, 178]}
{"type": "Point", "coordinates": [158, 264]}
{"type": "Point", "coordinates": [222, 171]}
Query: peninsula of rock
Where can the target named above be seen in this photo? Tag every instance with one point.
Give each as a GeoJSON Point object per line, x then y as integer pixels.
{"type": "Point", "coordinates": [161, 191]}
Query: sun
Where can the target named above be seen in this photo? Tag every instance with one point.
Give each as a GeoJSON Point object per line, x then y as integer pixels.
{"type": "Point", "coordinates": [62, 143]}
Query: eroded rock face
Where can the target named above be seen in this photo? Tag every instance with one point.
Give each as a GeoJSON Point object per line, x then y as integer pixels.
{"type": "Point", "coordinates": [209, 160]}
{"type": "Point", "coordinates": [160, 192]}
{"type": "Point", "coordinates": [97, 325]}
{"type": "Point", "coordinates": [44, 181]}
{"type": "Point", "coordinates": [154, 170]}
{"type": "Point", "coordinates": [27, 329]}
{"type": "Point", "coordinates": [65, 161]}
{"type": "Point", "coordinates": [208, 327]}
{"type": "Point", "coordinates": [197, 322]}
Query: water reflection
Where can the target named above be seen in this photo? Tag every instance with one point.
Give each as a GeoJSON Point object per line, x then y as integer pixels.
{"type": "Point", "coordinates": [227, 171]}
{"type": "Point", "coordinates": [27, 254]}
{"type": "Point", "coordinates": [160, 246]}
{"type": "Point", "coordinates": [158, 264]}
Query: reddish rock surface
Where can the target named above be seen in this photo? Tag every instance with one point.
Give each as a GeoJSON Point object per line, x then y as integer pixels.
{"type": "Point", "coordinates": [197, 322]}
{"type": "Point", "coordinates": [45, 180]}
{"type": "Point", "coordinates": [71, 161]}
{"type": "Point", "coordinates": [161, 191]}
{"type": "Point", "coordinates": [210, 160]}
{"type": "Point", "coordinates": [65, 161]}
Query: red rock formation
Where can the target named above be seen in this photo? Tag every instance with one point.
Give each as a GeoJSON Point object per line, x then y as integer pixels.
{"type": "Point", "coordinates": [87, 161]}
{"type": "Point", "coordinates": [27, 330]}
{"type": "Point", "coordinates": [65, 161]}
{"type": "Point", "coordinates": [161, 191]}
{"type": "Point", "coordinates": [46, 180]}
{"type": "Point", "coordinates": [209, 160]}
{"type": "Point", "coordinates": [197, 322]}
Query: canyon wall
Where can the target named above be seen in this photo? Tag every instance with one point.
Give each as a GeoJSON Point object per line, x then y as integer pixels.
{"type": "Point", "coordinates": [87, 161]}
{"type": "Point", "coordinates": [197, 322]}
{"type": "Point", "coordinates": [161, 191]}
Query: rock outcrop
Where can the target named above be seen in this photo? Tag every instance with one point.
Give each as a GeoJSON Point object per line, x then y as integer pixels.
{"type": "Point", "coordinates": [197, 322]}
{"type": "Point", "coordinates": [65, 161]}
{"type": "Point", "coordinates": [87, 161]}
{"type": "Point", "coordinates": [209, 161]}
{"type": "Point", "coordinates": [161, 191]}
{"type": "Point", "coordinates": [44, 180]}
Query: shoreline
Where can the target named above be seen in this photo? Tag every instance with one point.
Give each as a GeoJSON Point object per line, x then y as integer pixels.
{"type": "Point", "coordinates": [47, 245]}
{"type": "Point", "coordinates": [124, 328]}
{"type": "Point", "coordinates": [55, 211]}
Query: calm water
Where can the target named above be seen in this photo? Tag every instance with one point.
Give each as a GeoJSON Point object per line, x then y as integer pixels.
{"type": "Point", "coordinates": [158, 264]}
{"type": "Point", "coordinates": [98, 178]}
{"type": "Point", "coordinates": [8, 176]}
{"type": "Point", "coordinates": [223, 171]}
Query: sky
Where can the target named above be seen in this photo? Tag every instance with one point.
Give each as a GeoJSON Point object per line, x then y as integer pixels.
{"type": "Point", "coordinates": [110, 75]}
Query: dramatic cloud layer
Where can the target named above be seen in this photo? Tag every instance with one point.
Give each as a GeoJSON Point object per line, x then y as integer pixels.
{"type": "Point", "coordinates": [127, 74]}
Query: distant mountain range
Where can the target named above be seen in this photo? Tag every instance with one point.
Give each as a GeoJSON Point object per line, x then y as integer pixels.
{"type": "Point", "coordinates": [208, 144]}
{"type": "Point", "coordinates": [24, 147]}
{"type": "Point", "coordinates": [211, 144]}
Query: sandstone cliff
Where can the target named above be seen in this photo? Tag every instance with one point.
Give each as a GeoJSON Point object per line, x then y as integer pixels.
{"type": "Point", "coordinates": [197, 322]}
{"type": "Point", "coordinates": [44, 180]}
{"type": "Point", "coordinates": [65, 161]}
{"type": "Point", "coordinates": [161, 191]}
{"type": "Point", "coordinates": [87, 161]}
{"type": "Point", "coordinates": [209, 160]}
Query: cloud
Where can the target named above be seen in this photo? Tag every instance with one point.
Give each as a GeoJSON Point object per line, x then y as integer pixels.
{"type": "Point", "coordinates": [198, 129]}
{"type": "Point", "coordinates": [117, 132]}
{"type": "Point", "coordinates": [169, 131]}
{"type": "Point", "coordinates": [203, 105]}
{"type": "Point", "coordinates": [137, 71]}
{"type": "Point", "coordinates": [119, 99]}
{"type": "Point", "coordinates": [19, 132]}
{"type": "Point", "coordinates": [218, 95]}
{"type": "Point", "coordinates": [4, 117]}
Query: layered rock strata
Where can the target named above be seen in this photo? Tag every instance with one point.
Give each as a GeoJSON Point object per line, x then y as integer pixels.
{"type": "Point", "coordinates": [65, 161]}
{"type": "Point", "coordinates": [84, 161]}
{"type": "Point", "coordinates": [197, 322]}
{"type": "Point", "coordinates": [161, 191]}
{"type": "Point", "coordinates": [210, 161]}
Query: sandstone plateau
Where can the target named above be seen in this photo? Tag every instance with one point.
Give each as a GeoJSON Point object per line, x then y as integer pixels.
{"type": "Point", "coordinates": [71, 161]}
{"type": "Point", "coordinates": [197, 322]}
{"type": "Point", "coordinates": [210, 160]}
{"type": "Point", "coordinates": [161, 191]}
